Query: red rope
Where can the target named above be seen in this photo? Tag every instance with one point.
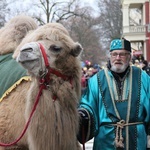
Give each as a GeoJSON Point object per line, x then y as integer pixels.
{"type": "Point", "coordinates": [44, 55]}
{"type": "Point", "coordinates": [27, 124]}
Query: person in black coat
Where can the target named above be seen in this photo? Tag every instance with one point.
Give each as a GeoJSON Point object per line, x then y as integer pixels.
{"type": "Point", "coordinates": [145, 67]}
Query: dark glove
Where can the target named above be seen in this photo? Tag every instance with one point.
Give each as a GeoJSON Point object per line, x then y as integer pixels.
{"type": "Point", "coordinates": [83, 126]}
{"type": "Point", "coordinates": [83, 114]}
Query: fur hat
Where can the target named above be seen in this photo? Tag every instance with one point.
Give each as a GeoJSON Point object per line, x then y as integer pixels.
{"type": "Point", "coordinates": [120, 44]}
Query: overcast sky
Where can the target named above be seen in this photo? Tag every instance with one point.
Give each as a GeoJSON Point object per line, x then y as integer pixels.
{"type": "Point", "coordinates": [19, 6]}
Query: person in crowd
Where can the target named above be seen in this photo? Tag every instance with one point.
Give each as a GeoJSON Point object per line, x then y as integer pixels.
{"type": "Point", "coordinates": [115, 108]}
{"type": "Point", "coordinates": [88, 72]}
{"type": "Point", "coordinates": [137, 63]}
{"type": "Point", "coordinates": [145, 67]}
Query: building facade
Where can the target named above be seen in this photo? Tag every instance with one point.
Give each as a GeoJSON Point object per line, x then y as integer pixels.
{"type": "Point", "coordinates": [136, 26]}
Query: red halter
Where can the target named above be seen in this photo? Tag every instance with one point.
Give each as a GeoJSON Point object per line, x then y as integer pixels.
{"type": "Point", "coordinates": [43, 85]}
{"type": "Point", "coordinates": [45, 80]}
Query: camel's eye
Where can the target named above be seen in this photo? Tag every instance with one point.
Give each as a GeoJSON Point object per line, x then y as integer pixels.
{"type": "Point", "coordinates": [55, 48]}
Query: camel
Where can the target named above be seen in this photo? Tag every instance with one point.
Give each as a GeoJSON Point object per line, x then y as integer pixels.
{"type": "Point", "coordinates": [52, 61]}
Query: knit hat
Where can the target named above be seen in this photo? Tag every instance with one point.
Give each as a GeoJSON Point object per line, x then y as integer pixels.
{"type": "Point", "coordinates": [119, 44]}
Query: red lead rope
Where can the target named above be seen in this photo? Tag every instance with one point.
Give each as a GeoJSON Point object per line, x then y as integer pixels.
{"type": "Point", "coordinates": [42, 86]}
{"type": "Point", "coordinates": [27, 124]}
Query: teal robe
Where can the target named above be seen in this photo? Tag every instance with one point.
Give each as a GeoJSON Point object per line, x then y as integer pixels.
{"type": "Point", "coordinates": [107, 107]}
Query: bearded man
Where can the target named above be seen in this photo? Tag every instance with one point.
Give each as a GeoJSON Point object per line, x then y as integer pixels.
{"type": "Point", "coordinates": [115, 107]}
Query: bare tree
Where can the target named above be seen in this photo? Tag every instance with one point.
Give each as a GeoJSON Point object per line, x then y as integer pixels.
{"type": "Point", "coordinates": [3, 11]}
{"type": "Point", "coordinates": [110, 20]}
{"type": "Point", "coordinates": [45, 11]}
{"type": "Point", "coordinates": [84, 29]}
{"type": "Point", "coordinates": [80, 21]}
{"type": "Point", "coordinates": [55, 10]}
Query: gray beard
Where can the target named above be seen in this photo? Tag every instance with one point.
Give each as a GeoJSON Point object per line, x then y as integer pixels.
{"type": "Point", "coordinates": [120, 70]}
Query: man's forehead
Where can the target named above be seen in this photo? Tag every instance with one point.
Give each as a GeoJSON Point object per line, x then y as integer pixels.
{"type": "Point", "coordinates": [119, 51]}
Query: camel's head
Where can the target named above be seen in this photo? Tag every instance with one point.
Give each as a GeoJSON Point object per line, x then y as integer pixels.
{"type": "Point", "coordinates": [61, 51]}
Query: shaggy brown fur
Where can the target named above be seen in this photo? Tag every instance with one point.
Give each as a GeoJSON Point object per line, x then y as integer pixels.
{"type": "Point", "coordinates": [54, 125]}
{"type": "Point", "coordinates": [14, 31]}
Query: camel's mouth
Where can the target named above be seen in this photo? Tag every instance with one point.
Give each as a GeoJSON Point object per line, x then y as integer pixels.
{"type": "Point", "coordinates": [31, 65]}
{"type": "Point", "coordinates": [23, 62]}
{"type": "Point", "coordinates": [28, 60]}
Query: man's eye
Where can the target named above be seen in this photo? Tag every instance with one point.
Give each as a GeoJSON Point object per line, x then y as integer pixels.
{"type": "Point", "coordinates": [114, 54]}
{"type": "Point", "coordinates": [122, 54]}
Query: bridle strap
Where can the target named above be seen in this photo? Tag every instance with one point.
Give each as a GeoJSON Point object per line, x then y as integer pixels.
{"type": "Point", "coordinates": [59, 74]}
{"type": "Point", "coordinates": [51, 70]}
{"type": "Point", "coordinates": [44, 55]}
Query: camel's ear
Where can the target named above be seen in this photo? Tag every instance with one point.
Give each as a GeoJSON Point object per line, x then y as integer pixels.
{"type": "Point", "coordinates": [76, 50]}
